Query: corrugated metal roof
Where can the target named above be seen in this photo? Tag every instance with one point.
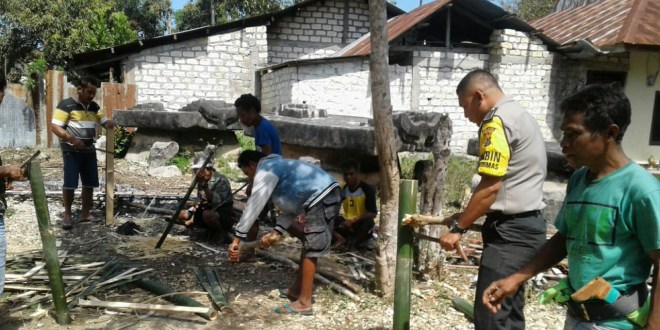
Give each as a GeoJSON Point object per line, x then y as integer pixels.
{"type": "Point", "coordinates": [484, 10]}
{"type": "Point", "coordinates": [395, 27]}
{"type": "Point", "coordinates": [606, 23]}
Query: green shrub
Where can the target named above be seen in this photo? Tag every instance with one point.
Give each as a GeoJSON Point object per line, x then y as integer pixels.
{"type": "Point", "coordinates": [182, 160]}
{"type": "Point", "coordinates": [122, 141]}
{"type": "Point", "coordinates": [246, 142]}
{"type": "Point", "coordinates": [224, 166]}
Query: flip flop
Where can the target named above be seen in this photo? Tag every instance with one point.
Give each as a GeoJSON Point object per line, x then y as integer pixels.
{"type": "Point", "coordinates": [283, 294]}
{"type": "Point", "coordinates": [288, 310]}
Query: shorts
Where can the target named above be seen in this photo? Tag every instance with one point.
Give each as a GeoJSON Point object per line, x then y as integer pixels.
{"type": "Point", "coordinates": [83, 165]}
{"type": "Point", "coordinates": [319, 223]}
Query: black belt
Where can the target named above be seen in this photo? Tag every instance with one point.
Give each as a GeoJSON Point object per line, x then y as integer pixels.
{"type": "Point", "coordinates": [498, 215]}
{"type": "Point", "coordinates": [598, 310]}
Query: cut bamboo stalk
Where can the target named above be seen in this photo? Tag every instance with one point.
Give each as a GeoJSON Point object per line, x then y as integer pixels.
{"type": "Point", "coordinates": [180, 300]}
{"type": "Point", "coordinates": [48, 243]}
{"type": "Point", "coordinates": [404, 256]}
{"type": "Point", "coordinates": [464, 307]}
{"type": "Point", "coordinates": [317, 276]}
{"type": "Point", "coordinates": [418, 220]}
{"type": "Point", "coordinates": [338, 277]}
{"type": "Point", "coordinates": [148, 307]}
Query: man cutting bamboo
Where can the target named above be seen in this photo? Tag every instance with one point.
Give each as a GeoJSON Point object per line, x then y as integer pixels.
{"type": "Point", "coordinates": [309, 200]}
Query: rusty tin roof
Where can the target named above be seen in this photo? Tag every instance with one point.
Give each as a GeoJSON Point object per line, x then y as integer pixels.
{"type": "Point", "coordinates": [606, 23]}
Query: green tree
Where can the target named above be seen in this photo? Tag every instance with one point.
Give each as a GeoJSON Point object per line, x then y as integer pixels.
{"type": "Point", "coordinates": [53, 30]}
{"type": "Point", "coordinates": [528, 10]}
{"type": "Point", "coordinates": [108, 28]}
{"type": "Point", "coordinates": [148, 17]}
{"type": "Point", "coordinates": [198, 13]}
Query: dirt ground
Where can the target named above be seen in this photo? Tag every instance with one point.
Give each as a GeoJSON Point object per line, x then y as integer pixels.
{"type": "Point", "coordinates": [253, 285]}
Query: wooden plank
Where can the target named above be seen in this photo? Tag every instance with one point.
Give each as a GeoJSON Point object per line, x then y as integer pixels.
{"type": "Point", "coordinates": [109, 177]}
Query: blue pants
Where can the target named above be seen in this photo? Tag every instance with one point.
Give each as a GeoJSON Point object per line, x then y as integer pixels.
{"type": "Point", "coordinates": [83, 165]}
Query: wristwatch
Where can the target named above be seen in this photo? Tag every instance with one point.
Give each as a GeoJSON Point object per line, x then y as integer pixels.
{"type": "Point", "coordinates": [455, 229]}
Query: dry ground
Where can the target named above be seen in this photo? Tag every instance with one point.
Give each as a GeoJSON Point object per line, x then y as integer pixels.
{"type": "Point", "coordinates": [252, 284]}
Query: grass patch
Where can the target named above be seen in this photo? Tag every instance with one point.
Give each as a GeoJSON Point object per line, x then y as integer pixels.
{"type": "Point", "coordinates": [459, 175]}
{"type": "Point", "coordinates": [182, 160]}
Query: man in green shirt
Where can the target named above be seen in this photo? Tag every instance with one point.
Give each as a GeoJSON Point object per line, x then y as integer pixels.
{"type": "Point", "coordinates": [609, 224]}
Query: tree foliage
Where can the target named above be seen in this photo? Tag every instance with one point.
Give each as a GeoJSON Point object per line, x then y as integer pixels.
{"type": "Point", "coordinates": [529, 10]}
{"type": "Point", "coordinates": [147, 17]}
{"type": "Point", "coordinates": [53, 30]}
{"type": "Point", "coordinates": [198, 12]}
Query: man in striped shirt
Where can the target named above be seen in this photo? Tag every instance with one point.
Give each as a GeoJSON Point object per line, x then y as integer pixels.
{"type": "Point", "coordinates": [74, 122]}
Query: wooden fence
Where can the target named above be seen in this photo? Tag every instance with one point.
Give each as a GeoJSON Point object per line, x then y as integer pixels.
{"type": "Point", "coordinates": [46, 96]}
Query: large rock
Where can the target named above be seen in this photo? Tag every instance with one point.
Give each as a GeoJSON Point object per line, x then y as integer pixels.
{"type": "Point", "coordinates": [161, 153]}
{"type": "Point", "coordinates": [169, 171]}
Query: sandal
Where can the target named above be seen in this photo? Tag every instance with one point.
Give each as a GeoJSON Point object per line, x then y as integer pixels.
{"type": "Point", "coordinates": [284, 294]}
{"type": "Point", "coordinates": [288, 310]}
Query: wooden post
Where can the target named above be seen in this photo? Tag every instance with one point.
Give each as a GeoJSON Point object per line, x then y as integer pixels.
{"type": "Point", "coordinates": [48, 242]}
{"type": "Point", "coordinates": [404, 257]}
{"type": "Point", "coordinates": [109, 176]}
{"type": "Point", "coordinates": [386, 145]}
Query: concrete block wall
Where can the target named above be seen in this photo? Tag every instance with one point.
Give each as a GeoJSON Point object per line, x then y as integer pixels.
{"type": "Point", "coordinates": [218, 67]}
{"type": "Point", "coordinates": [317, 30]}
{"type": "Point", "coordinates": [340, 87]}
{"type": "Point", "coordinates": [438, 73]}
{"type": "Point", "coordinates": [523, 67]}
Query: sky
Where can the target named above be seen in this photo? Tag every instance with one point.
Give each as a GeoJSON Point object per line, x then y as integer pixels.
{"type": "Point", "coordinates": [406, 5]}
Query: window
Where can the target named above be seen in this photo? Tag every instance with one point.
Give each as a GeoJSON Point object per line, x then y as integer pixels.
{"type": "Point", "coordinates": [594, 77]}
{"type": "Point", "coordinates": [655, 122]}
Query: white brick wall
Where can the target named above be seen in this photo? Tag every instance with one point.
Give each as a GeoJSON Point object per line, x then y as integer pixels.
{"type": "Point", "coordinates": [316, 31]}
{"type": "Point", "coordinates": [342, 87]}
{"type": "Point", "coordinates": [220, 67]}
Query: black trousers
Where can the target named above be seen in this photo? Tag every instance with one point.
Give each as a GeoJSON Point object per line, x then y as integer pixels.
{"type": "Point", "coordinates": [509, 244]}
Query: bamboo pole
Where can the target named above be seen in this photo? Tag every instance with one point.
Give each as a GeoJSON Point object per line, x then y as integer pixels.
{"type": "Point", "coordinates": [182, 204]}
{"type": "Point", "coordinates": [317, 276]}
{"type": "Point", "coordinates": [404, 258]}
{"type": "Point", "coordinates": [464, 307]}
{"type": "Point", "coordinates": [109, 177]}
{"type": "Point", "coordinates": [181, 300]}
{"type": "Point", "coordinates": [148, 307]}
{"type": "Point", "coordinates": [48, 242]}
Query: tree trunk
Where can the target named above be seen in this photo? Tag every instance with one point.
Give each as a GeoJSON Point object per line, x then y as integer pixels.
{"type": "Point", "coordinates": [386, 146]}
{"type": "Point", "coordinates": [430, 257]}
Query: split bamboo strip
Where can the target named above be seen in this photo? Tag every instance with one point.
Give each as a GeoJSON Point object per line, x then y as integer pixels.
{"type": "Point", "coordinates": [148, 307]}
